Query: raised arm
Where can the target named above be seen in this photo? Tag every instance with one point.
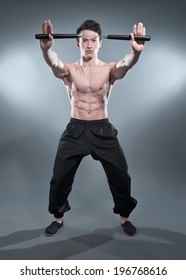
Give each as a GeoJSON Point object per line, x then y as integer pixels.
{"type": "Point", "coordinates": [120, 68]}
{"type": "Point", "coordinates": [50, 56]}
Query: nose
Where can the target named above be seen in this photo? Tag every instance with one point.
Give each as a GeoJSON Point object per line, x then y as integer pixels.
{"type": "Point", "coordinates": [89, 44]}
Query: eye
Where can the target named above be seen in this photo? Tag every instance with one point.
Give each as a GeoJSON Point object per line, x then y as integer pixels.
{"type": "Point", "coordinates": [84, 40]}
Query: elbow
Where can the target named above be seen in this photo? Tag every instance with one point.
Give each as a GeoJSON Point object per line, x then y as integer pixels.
{"type": "Point", "coordinates": [56, 73]}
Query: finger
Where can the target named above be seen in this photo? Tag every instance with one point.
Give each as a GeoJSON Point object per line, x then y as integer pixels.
{"type": "Point", "coordinates": [47, 27]}
{"type": "Point", "coordinates": [140, 28]}
{"type": "Point", "coordinates": [144, 31]}
{"type": "Point", "coordinates": [44, 27]}
{"type": "Point", "coordinates": [134, 29]}
{"type": "Point", "coordinates": [50, 27]}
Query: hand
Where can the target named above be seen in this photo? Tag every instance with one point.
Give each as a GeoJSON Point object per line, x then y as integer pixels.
{"type": "Point", "coordinates": [47, 28]}
{"type": "Point", "coordinates": [139, 29]}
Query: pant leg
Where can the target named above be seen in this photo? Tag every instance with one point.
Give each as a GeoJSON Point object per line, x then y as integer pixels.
{"type": "Point", "coordinates": [71, 150]}
{"type": "Point", "coordinates": [106, 148]}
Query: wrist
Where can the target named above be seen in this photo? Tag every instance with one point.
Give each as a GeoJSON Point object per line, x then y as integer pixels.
{"type": "Point", "coordinates": [136, 52]}
{"type": "Point", "coordinates": [46, 50]}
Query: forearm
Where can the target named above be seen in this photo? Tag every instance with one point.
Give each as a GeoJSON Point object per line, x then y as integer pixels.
{"type": "Point", "coordinates": [129, 60]}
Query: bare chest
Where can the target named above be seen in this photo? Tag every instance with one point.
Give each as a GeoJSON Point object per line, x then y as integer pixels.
{"type": "Point", "coordinates": [85, 79]}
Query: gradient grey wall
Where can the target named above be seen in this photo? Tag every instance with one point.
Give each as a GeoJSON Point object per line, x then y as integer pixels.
{"type": "Point", "coordinates": [147, 107]}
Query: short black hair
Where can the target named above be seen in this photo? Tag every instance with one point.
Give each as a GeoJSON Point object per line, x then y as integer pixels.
{"type": "Point", "coordinates": [90, 25]}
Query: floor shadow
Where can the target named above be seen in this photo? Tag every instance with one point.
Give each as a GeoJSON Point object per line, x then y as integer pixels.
{"type": "Point", "coordinates": [149, 244]}
{"type": "Point", "coordinates": [109, 243]}
{"type": "Point", "coordinates": [19, 236]}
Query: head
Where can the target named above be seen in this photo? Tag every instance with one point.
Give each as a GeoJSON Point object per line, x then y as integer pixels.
{"type": "Point", "coordinates": [89, 25]}
{"type": "Point", "coordinates": [89, 40]}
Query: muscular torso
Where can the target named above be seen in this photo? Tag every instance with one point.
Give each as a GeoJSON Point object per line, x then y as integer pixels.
{"type": "Point", "coordinates": [88, 88]}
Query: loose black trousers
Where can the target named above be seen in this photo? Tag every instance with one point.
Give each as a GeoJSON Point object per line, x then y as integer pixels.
{"type": "Point", "coordinates": [97, 138]}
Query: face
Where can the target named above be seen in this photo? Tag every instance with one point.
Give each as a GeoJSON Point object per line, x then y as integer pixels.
{"type": "Point", "coordinates": [89, 44]}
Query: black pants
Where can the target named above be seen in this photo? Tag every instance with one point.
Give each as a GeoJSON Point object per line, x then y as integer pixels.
{"type": "Point", "coordinates": [98, 139]}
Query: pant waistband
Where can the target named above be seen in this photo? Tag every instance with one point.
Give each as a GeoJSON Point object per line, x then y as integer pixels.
{"type": "Point", "coordinates": [74, 120]}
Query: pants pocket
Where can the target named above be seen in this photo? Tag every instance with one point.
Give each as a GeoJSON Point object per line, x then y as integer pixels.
{"type": "Point", "coordinates": [105, 130]}
{"type": "Point", "coordinates": [74, 130]}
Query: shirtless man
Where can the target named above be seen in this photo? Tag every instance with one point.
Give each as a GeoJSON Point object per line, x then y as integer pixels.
{"type": "Point", "coordinates": [88, 83]}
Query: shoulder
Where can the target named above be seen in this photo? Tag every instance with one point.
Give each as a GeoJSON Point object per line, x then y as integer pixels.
{"type": "Point", "coordinates": [109, 65]}
{"type": "Point", "coordinates": [71, 66]}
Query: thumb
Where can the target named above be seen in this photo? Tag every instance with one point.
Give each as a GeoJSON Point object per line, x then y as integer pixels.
{"type": "Point", "coordinates": [131, 37]}
{"type": "Point", "coordinates": [50, 36]}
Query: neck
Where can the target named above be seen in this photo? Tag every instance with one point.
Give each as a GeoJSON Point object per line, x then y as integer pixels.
{"type": "Point", "coordinates": [89, 62]}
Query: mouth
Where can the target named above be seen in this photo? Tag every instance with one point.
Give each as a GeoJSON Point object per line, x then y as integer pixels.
{"type": "Point", "coordinates": [89, 51]}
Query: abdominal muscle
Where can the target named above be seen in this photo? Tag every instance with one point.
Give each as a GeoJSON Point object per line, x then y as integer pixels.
{"type": "Point", "coordinates": [89, 106]}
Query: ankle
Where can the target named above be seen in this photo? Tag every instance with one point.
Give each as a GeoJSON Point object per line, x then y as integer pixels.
{"type": "Point", "coordinates": [59, 220]}
{"type": "Point", "coordinates": [123, 219]}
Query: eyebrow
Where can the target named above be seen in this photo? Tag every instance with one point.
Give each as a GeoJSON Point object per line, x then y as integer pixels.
{"type": "Point", "coordinates": [88, 37]}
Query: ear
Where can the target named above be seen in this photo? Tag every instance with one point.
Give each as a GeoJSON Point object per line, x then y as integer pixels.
{"type": "Point", "coordinates": [77, 44]}
{"type": "Point", "coordinates": [100, 43]}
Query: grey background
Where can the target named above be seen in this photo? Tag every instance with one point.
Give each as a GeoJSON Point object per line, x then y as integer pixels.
{"type": "Point", "coordinates": [147, 107]}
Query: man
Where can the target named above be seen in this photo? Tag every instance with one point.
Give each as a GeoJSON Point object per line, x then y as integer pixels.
{"type": "Point", "coordinates": [89, 82]}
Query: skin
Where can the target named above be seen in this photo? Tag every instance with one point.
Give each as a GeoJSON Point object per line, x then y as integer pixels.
{"type": "Point", "coordinates": [89, 80]}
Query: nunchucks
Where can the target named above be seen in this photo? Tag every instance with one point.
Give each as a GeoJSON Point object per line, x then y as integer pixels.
{"type": "Point", "coordinates": [111, 37]}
